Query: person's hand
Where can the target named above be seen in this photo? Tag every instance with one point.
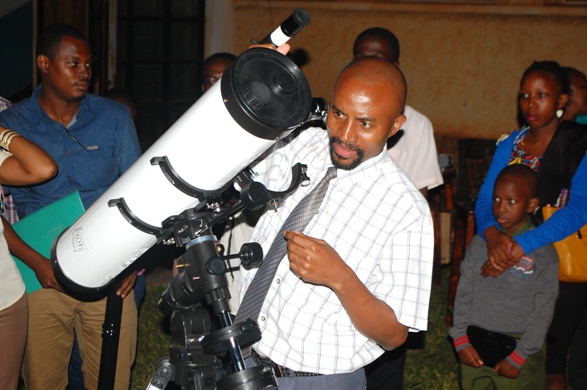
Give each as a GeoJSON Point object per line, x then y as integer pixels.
{"type": "Point", "coordinates": [470, 357]}
{"type": "Point", "coordinates": [283, 49]}
{"type": "Point", "coordinates": [46, 276]}
{"type": "Point", "coordinates": [505, 368]}
{"type": "Point", "coordinates": [313, 260]}
{"type": "Point", "coordinates": [175, 268]}
{"type": "Point", "coordinates": [127, 285]}
{"type": "Point", "coordinates": [517, 252]}
{"type": "Point", "coordinates": [500, 252]}
{"type": "Point", "coordinates": [499, 247]}
{"type": "Point", "coordinates": [488, 269]}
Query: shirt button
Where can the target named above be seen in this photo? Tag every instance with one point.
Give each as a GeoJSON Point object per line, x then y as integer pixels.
{"type": "Point", "coordinates": [278, 281]}
{"type": "Point", "coordinates": [262, 318]}
{"type": "Point", "coordinates": [68, 153]}
{"type": "Point", "coordinates": [70, 177]}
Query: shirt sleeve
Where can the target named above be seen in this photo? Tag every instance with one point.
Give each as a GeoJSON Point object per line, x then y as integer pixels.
{"type": "Point", "coordinates": [483, 206]}
{"type": "Point", "coordinates": [565, 221]}
{"type": "Point", "coordinates": [426, 170]}
{"type": "Point", "coordinates": [545, 293]}
{"type": "Point", "coordinates": [416, 153]}
{"type": "Point", "coordinates": [406, 277]}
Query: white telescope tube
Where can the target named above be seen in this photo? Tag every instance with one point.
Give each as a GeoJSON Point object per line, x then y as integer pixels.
{"type": "Point", "coordinates": [261, 97]}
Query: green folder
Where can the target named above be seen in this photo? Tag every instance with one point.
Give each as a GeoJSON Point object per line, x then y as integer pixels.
{"type": "Point", "coordinates": [41, 228]}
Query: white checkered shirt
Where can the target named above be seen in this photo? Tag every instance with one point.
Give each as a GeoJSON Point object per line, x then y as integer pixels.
{"type": "Point", "coordinates": [378, 223]}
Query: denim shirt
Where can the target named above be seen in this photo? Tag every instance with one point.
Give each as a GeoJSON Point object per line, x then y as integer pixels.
{"type": "Point", "coordinates": [106, 146]}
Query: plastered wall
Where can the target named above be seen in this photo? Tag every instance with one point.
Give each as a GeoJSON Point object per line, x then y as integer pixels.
{"type": "Point", "coordinates": [463, 63]}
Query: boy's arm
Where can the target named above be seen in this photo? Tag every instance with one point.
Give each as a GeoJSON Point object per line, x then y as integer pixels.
{"type": "Point", "coordinates": [505, 368]}
{"type": "Point", "coordinates": [545, 294]}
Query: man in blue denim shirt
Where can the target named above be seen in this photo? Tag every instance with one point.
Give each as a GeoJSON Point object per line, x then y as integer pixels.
{"type": "Point", "coordinates": [98, 144]}
{"type": "Point", "coordinates": [93, 140]}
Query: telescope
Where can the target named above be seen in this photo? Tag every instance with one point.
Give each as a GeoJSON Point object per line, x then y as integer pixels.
{"type": "Point", "coordinates": [261, 98]}
{"type": "Point", "coordinates": [171, 195]}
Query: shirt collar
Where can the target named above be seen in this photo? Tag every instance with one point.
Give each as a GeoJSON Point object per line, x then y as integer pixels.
{"type": "Point", "coordinates": [524, 228]}
{"type": "Point", "coordinates": [84, 108]}
{"type": "Point", "coordinates": [367, 169]}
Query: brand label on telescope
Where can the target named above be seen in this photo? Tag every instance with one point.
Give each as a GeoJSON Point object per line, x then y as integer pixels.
{"type": "Point", "coordinates": [78, 240]}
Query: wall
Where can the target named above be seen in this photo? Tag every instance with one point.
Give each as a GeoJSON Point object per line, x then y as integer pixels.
{"type": "Point", "coordinates": [219, 26]}
{"type": "Point", "coordinates": [463, 63]}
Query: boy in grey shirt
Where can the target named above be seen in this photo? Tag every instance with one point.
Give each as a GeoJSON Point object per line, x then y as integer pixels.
{"type": "Point", "coordinates": [519, 302]}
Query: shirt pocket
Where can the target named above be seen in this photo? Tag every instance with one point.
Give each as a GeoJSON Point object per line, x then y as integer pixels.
{"type": "Point", "coordinates": [97, 168]}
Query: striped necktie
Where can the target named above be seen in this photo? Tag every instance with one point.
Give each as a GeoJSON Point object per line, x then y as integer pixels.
{"type": "Point", "coordinates": [297, 220]}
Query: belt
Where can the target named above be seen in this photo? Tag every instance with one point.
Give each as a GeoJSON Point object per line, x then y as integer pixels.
{"type": "Point", "coordinates": [279, 370]}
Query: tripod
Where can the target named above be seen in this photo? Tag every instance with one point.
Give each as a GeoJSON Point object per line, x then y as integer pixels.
{"type": "Point", "coordinates": [194, 360]}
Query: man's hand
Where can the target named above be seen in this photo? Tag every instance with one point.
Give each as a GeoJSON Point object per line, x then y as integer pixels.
{"type": "Point", "coordinates": [283, 49]}
{"type": "Point", "coordinates": [470, 357]}
{"type": "Point", "coordinates": [127, 285]}
{"type": "Point", "coordinates": [45, 275]}
{"type": "Point", "coordinates": [506, 369]}
{"type": "Point", "coordinates": [313, 260]}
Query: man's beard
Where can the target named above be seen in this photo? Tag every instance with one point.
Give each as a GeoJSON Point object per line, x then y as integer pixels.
{"type": "Point", "coordinates": [77, 99]}
{"type": "Point", "coordinates": [352, 164]}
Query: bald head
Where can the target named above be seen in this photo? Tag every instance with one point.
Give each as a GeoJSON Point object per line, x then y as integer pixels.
{"type": "Point", "coordinates": [366, 109]}
{"type": "Point", "coordinates": [374, 71]}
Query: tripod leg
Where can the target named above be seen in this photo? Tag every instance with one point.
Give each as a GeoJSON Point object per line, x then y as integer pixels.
{"type": "Point", "coordinates": [162, 376]}
{"type": "Point", "coordinates": [110, 337]}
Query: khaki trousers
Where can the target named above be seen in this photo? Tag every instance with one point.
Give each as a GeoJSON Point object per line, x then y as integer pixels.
{"type": "Point", "coordinates": [53, 316]}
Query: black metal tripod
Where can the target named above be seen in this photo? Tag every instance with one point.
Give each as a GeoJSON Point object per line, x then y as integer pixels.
{"type": "Point", "coordinates": [196, 351]}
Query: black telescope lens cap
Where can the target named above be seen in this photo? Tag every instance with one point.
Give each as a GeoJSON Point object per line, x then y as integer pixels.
{"type": "Point", "coordinates": [301, 16]}
{"type": "Point", "coordinates": [266, 93]}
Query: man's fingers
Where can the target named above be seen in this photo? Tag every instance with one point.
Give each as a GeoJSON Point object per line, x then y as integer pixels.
{"type": "Point", "coordinates": [284, 49]}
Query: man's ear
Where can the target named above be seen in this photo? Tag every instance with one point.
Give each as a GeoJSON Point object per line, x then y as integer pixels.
{"type": "Point", "coordinates": [43, 63]}
{"type": "Point", "coordinates": [397, 125]}
{"type": "Point", "coordinates": [533, 205]}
